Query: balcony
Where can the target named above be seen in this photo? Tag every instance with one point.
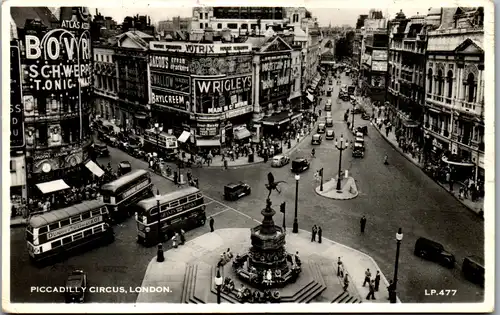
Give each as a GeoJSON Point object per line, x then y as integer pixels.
{"type": "Point", "coordinates": [455, 104]}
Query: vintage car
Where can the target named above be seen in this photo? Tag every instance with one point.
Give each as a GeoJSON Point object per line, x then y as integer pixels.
{"type": "Point", "coordinates": [280, 160]}
{"type": "Point", "coordinates": [473, 269]}
{"type": "Point", "coordinates": [360, 140]}
{"type": "Point", "coordinates": [328, 114]}
{"type": "Point", "coordinates": [362, 130]}
{"type": "Point", "coordinates": [321, 128]}
{"type": "Point", "coordinates": [330, 134]}
{"type": "Point", "coordinates": [299, 165]}
{"type": "Point", "coordinates": [328, 107]}
{"type": "Point", "coordinates": [316, 139]}
{"type": "Point", "coordinates": [359, 134]}
{"type": "Point", "coordinates": [358, 150]}
{"type": "Point", "coordinates": [357, 110]}
{"type": "Point", "coordinates": [329, 122]}
{"type": "Point", "coordinates": [124, 167]}
{"type": "Point", "coordinates": [234, 191]}
{"type": "Point", "coordinates": [76, 285]}
{"type": "Point", "coordinates": [434, 251]}
{"type": "Point", "coordinates": [101, 150]}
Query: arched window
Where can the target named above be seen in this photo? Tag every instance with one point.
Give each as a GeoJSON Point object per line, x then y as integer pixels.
{"type": "Point", "coordinates": [439, 82]}
{"type": "Point", "coordinates": [429, 81]}
{"type": "Point", "coordinates": [450, 86]}
{"type": "Point", "coordinates": [471, 88]}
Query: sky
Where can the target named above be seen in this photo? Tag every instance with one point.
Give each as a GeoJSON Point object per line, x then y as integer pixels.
{"type": "Point", "coordinates": [337, 17]}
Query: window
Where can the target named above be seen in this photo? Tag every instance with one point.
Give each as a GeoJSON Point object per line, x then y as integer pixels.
{"type": "Point", "coordinates": [471, 88]}
{"type": "Point", "coordinates": [429, 81]}
{"type": "Point", "coordinates": [439, 83]}
{"type": "Point", "coordinates": [87, 233]}
{"type": "Point", "coordinates": [56, 244]}
{"type": "Point", "coordinates": [77, 236]}
{"type": "Point", "coordinates": [206, 25]}
{"type": "Point", "coordinates": [206, 16]}
{"type": "Point", "coordinates": [43, 230]}
{"type": "Point", "coordinates": [244, 26]}
{"type": "Point", "coordinates": [66, 240]}
{"type": "Point", "coordinates": [96, 212]}
{"type": "Point", "coordinates": [232, 26]}
{"type": "Point", "coordinates": [54, 226]}
{"type": "Point", "coordinates": [64, 222]}
{"type": "Point", "coordinates": [183, 201]}
{"type": "Point", "coordinates": [85, 215]}
{"type": "Point", "coordinates": [450, 85]}
{"type": "Point", "coordinates": [76, 219]}
{"type": "Point", "coordinates": [201, 25]}
{"type": "Point", "coordinates": [219, 26]}
{"type": "Point", "coordinates": [12, 165]}
{"type": "Point", "coordinates": [201, 16]}
{"type": "Point", "coordinates": [97, 229]}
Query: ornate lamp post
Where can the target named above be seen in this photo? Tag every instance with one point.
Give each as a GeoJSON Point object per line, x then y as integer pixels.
{"type": "Point", "coordinates": [341, 147]}
{"type": "Point", "coordinates": [295, 220]}
{"type": "Point", "coordinates": [159, 256]}
{"type": "Point", "coordinates": [399, 238]}
{"type": "Point", "coordinates": [352, 111]}
{"type": "Point", "coordinates": [218, 284]}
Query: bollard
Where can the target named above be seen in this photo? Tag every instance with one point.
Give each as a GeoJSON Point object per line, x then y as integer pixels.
{"type": "Point", "coordinates": [346, 173]}
{"type": "Point", "coordinates": [181, 179]}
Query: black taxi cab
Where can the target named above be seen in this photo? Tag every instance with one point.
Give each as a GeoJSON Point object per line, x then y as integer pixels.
{"type": "Point", "coordinates": [234, 191]}
{"type": "Point", "coordinates": [316, 139]}
{"type": "Point", "coordinates": [299, 165]}
{"type": "Point", "coordinates": [76, 285]}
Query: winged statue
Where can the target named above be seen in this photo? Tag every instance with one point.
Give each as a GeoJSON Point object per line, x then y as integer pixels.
{"type": "Point", "coordinates": [272, 185]}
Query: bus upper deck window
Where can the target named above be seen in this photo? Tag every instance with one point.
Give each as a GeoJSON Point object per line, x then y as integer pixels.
{"type": "Point", "coordinates": [43, 229]}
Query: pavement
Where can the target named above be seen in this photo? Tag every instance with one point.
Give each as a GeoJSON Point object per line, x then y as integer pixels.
{"type": "Point", "coordinates": [208, 247]}
{"type": "Point", "coordinates": [348, 189]}
{"type": "Point", "coordinates": [475, 206]}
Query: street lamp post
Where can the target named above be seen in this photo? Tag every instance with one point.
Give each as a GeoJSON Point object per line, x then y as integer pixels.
{"type": "Point", "coordinates": [343, 145]}
{"type": "Point", "coordinates": [159, 257]}
{"type": "Point", "coordinates": [158, 130]}
{"type": "Point", "coordinates": [218, 284]}
{"type": "Point", "coordinates": [399, 238]}
{"type": "Point", "coordinates": [352, 124]}
{"type": "Point", "coordinates": [295, 220]}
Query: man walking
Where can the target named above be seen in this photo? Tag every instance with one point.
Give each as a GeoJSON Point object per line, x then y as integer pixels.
{"type": "Point", "coordinates": [368, 275]}
{"type": "Point", "coordinates": [363, 224]}
{"type": "Point", "coordinates": [314, 231]}
{"type": "Point", "coordinates": [183, 238]}
{"type": "Point", "coordinates": [211, 222]}
{"type": "Point", "coordinates": [340, 268]}
{"type": "Point", "coordinates": [371, 292]}
{"type": "Point", "coordinates": [377, 280]}
{"type": "Point", "coordinates": [346, 282]}
{"type": "Point", "coordinates": [320, 232]}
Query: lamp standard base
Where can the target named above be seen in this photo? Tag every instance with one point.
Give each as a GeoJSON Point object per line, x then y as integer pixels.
{"type": "Point", "coordinates": [160, 257]}
{"type": "Point", "coordinates": [295, 226]}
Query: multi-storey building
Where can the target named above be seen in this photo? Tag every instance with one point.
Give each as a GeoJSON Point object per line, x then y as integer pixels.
{"type": "Point", "coordinates": [176, 24]}
{"type": "Point", "coordinates": [454, 111]}
{"type": "Point", "coordinates": [56, 95]}
{"type": "Point", "coordinates": [374, 53]}
{"type": "Point", "coordinates": [406, 84]}
{"type": "Point", "coordinates": [106, 101]}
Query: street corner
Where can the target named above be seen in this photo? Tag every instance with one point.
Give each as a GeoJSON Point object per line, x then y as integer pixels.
{"type": "Point", "coordinates": [348, 190]}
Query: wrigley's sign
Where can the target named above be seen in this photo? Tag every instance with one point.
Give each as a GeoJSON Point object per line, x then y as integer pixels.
{"type": "Point", "coordinates": [200, 48]}
{"type": "Point", "coordinates": [224, 86]}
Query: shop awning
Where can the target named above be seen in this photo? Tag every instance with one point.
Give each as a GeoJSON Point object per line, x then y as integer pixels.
{"type": "Point", "coordinates": [141, 115]}
{"type": "Point", "coordinates": [410, 123]}
{"type": "Point", "coordinates": [94, 168]}
{"type": "Point", "coordinates": [277, 119]}
{"type": "Point", "coordinates": [208, 143]}
{"type": "Point", "coordinates": [55, 185]}
{"type": "Point", "coordinates": [184, 136]}
{"type": "Point", "coordinates": [295, 95]}
{"type": "Point", "coordinates": [445, 159]}
{"type": "Point", "coordinates": [242, 134]}
{"type": "Point", "coordinates": [295, 116]}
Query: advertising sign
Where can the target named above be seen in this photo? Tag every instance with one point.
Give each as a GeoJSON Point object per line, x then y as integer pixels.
{"type": "Point", "coordinates": [379, 55]}
{"type": "Point", "coordinates": [379, 66]}
{"type": "Point", "coordinates": [224, 86]}
{"type": "Point", "coordinates": [16, 100]}
{"type": "Point", "coordinates": [171, 81]}
{"type": "Point", "coordinates": [170, 63]}
{"type": "Point", "coordinates": [75, 227]}
{"type": "Point", "coordinates": [221, 65]}
{"type": "Point", "coordinates": [200, 48]}
{"type": "Point", "coordinates": [170, 99]}
{"type": "Point", "coordinates": [206, 130]}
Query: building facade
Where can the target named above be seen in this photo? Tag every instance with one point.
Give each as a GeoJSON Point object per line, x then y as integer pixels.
{"type": "Point", "coordinates": [56, 93]}
{"type": "Point", "coordinates": [454, 103]}
{"type": "Point", "coordinates": [105, 83]}
{"type": "Point", "coordinates": [406, 73]}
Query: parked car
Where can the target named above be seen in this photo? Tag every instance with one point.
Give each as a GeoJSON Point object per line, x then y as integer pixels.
{"type": "Point", "coordinates": [234, 191]}
{"type": "Point", "coordinates": [330, 134]}
{"type": "Point", "coordinates": [356, 109]}
{"type": "Point", "coordinates": [329, 122]}
{"type": "Point", "coordinates": [76, 283]}
{"type": "Point", "coordinates": [328, 107]}
{"type": "Point", "coordinates": [124, 167]}
{"type": "Point", "coordinates": [280, 160]}
{"type": "Point", "coordinates": [473, 269]}
{"type": "Point", "coordinates": [321, 128]}
{"type": "Point", "coordinates": [316, 139]}
{"type": "Point", "coordinates": [101, 149]}
{"type": "Point", "coordinates": [434, 251]}
{"type": "Point", "coordinates": [328, 114]}
{"type": "Point", "coordinates": [299, 165]}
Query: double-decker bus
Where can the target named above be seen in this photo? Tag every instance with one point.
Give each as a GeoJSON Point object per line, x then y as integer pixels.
{"type": "Point", "coordinates": [61, 231]}
{"type": "Point", "coordinates": [122, 193]}
{"type": "Point", "coordinates": [164, 143]}
{"type": "Point", "coordinates": [182, 209]}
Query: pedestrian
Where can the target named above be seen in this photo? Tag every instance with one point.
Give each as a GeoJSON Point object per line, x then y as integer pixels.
{"type": "Point", "coordinates": [340, 268]}
{"type": "Point", "coordinates": [320, 232]}
{"type": "Point", "coordinates": [371, 292]}
{"type": "Point", "coordinates": [390, 288]}
{"type": "Point", "coordinates": [211, 222]}
{"type": "Point", "coordinates": [346, 282]}
{"type": "Point", "coordinates": [225, 164]}
{"type": "Point", "coordinates": [368, 275]}
{"type": "Point", "coordinates": [183, 238]}
{"type": "Point", "coordinates": [363, 224]}
{"type": "Point", "coordinates": [174, 240]}
{"type": "Point", "coordinates": [377, 280]}
{"type": "Point", "coordinates": [314, 231]}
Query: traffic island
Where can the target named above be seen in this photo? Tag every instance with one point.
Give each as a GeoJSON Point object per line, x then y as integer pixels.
{"type": "Point", "coordinates": [348, 189]}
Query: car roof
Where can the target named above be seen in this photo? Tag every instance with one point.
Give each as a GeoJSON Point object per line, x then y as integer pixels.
{"type": "Point", "coordinates": [317, 135]}
{"type": "Point", "coordinates": [321, 124]}
{"type": "Point", "coordinates": [299, 159]}
{"type": "Point", "coordinates": [233, 185]}
{"type": "Point", "coordinates": [426, 240]}
{"type": "Point", "coordinates": [478, 260]}
{"type": "Point", "coordinates": [278, 156]}
{"type": "Point", "coordinates": [329, 131]}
